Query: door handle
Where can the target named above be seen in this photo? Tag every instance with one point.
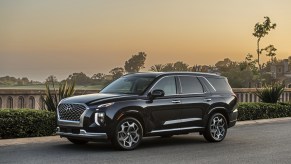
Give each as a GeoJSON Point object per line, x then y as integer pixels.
{"type": "Point", "coordinates": [207, 100]}
{"type": "Point", "coordinates": [176, 101]}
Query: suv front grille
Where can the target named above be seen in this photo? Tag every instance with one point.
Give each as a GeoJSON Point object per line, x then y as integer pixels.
{"type": "Point", "coordinates": [70, 112]}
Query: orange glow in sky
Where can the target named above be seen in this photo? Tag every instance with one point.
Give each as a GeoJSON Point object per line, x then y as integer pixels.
{"type": "Point", "coordinates": [40, 38]}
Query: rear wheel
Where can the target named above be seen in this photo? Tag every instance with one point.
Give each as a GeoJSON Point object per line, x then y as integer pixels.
{"type": "Point", "coordinates": [128, 134]}
{"type": "Point", "coordinates": [77, 141]}
{"type": "Point", "coordinates": [216, 128]}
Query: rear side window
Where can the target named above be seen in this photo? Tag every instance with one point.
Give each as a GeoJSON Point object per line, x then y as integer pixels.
{"type": "Point", "coordinates": [190, 84]}
{"type": "Point", "coordinates": [219, 84]}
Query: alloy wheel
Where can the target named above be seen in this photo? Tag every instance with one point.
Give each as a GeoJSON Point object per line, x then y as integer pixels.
{"type": "Point", "coordinates": [217, 128]}
{"type": "Point", "coordinates": [128, 134]}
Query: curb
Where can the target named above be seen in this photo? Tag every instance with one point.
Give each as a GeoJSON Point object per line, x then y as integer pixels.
{"type": "Point", "coordinates": [20, 141]}
{"type": "Point", "coordinates": [263, 121]}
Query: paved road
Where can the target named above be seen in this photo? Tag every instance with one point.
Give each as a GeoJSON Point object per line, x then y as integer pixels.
{"type": "Point", "coordinates": [259, 143]}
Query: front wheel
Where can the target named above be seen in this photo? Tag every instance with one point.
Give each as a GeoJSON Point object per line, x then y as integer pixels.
{"type": "Point", "coordinates": [128, 134]}
{"type": "Point", "coordinates": [216, 128]}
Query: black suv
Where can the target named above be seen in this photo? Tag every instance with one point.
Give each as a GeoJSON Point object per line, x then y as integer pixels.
{"type": "Point", "coordinates": [150, 104]}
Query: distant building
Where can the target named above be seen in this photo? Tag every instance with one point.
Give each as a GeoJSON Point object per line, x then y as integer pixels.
{"type": "Point", "coordinates": [281, 71]}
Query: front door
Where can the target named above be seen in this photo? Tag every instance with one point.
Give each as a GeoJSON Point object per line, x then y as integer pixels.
{"type": "Point", "coordinates": [164, 111]}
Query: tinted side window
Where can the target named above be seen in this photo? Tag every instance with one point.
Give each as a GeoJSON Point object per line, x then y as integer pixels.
{"type": "Point", "coordinates": [220, 84]}
{"type": "Point", "coordinates": [167, 84]}
{"type": "Point", "coordinates": [190, 84]}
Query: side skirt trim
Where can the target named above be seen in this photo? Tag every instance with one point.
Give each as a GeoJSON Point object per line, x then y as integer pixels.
{"type": "Point", "coordinates": [181, 120]}
{"type": "Point", "coordinates": [177, 129]}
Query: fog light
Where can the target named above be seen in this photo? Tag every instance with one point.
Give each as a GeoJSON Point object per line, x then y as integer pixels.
{"type": "Point", "coordinates": [99, 118]}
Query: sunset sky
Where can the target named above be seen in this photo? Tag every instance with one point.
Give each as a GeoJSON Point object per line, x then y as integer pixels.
{"type": "Point", "coordinates": [39, 38]}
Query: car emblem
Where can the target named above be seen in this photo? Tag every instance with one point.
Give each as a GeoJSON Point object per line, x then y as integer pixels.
{"type": "Point", "coordinates": [68, 108]}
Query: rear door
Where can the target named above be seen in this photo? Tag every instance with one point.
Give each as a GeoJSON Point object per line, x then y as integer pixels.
{"type": "Point", "coordinates": [195, 101]}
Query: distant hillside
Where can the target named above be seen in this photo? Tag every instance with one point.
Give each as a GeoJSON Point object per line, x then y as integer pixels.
{"type": "Point", "coordinates": [12, 81]}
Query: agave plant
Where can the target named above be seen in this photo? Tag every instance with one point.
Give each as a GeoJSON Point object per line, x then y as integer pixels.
{"type": "Point", "coordinates": [271, 93]}
{"type": "Point", "coordinates": [53, 96]}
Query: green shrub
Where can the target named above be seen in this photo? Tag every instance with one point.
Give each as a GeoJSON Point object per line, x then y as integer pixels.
{"type": "Point", "coordinates": [254, 111]}
{"type": "Point", "coordinates": [271, 93]}
{"type": "Point", "coordinates": [52, 97]}
{"type": "Point", "coordinates": [16, 123]}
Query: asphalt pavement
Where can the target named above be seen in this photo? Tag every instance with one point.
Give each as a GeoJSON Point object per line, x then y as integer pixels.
{"type": "Point", "coordinates": [264, 142]}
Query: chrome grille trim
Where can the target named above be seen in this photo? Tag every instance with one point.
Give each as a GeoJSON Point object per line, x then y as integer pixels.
{"type": "Point", "coordinates": [71, 112]}
{"type": "Point", "coordinates": [71, 119]}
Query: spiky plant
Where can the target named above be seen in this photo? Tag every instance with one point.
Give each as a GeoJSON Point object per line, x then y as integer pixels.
{"type": "Point", "coordinates": [53, 96]}
{"type": "Point", "coordinates": [270, 93]}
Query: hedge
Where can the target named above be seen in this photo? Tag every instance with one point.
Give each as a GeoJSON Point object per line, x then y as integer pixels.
{"type": "Point", "coordinates": [254, 111]}
{"type": "Point", "coordinates": [16, 123]}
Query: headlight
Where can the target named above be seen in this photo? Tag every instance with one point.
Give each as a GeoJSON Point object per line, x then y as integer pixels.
{"type": "Point", "coordinates": [105, 105]}
{"type": "Point", "coordinates": [99, 118]}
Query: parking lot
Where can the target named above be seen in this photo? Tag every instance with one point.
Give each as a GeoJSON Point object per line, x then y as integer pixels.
{"type": "Point", "coordinates": [254, 143]}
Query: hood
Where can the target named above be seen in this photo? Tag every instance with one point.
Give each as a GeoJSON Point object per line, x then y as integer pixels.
{"type": "Point", "coordinates": [93, 98]}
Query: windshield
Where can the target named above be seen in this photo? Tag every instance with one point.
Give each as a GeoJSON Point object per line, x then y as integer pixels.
{"type": "Point", "coordinates": [128, 85]}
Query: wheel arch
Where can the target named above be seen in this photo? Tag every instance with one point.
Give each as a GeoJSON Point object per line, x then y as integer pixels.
{"type": "Point", "coordinates": [131, 112]}
{"type": "Point", "coordinates": [221, 110]}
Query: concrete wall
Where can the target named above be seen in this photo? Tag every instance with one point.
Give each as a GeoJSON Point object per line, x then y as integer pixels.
{"type": "Point", "coordinates": [21, 98]}
{"type": "Point", "coordinates": [248, 95]}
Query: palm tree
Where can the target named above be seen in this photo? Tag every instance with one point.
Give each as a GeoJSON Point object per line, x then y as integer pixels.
{"type": "Point", "coordinates": [157, 68]}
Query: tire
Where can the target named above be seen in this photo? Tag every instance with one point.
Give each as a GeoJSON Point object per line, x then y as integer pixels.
{"type": "Point", "coordinates": [216, 128]}
{"type": "Point", "coordinates": [128, 134]}
{"type": "Point", "coordinates": [77, 141]}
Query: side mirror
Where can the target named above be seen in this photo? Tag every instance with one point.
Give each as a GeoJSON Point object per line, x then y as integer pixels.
{"type": "Point", "coordinates": [156, 93]}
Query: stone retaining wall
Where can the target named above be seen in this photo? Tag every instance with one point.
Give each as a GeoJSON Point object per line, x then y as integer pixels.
{"type": "Point", "coordinates": [23, 98]}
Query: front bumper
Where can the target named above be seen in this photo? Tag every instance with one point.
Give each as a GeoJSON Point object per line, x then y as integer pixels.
{"type": "Point", "coordinates": [83, 134]}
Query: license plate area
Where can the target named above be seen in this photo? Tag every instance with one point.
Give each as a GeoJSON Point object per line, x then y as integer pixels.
{"type": "Point", "coordinates": [70, 130]}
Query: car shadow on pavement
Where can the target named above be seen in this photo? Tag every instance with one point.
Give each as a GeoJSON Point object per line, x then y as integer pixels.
{"type": "Point", "coordinates": [91, 146]}
{"type": "Point", "coordinates": [153, 142]}
{"type": "Point", "coordinates": [147, 143]}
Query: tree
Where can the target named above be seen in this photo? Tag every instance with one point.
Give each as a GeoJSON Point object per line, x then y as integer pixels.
{"type": "Point", "coordinates": [260, 31]}
{"type": "Point", "coordinates": [239, 78]}
{"type": "Point", "coordinates": [226, 65]}
{"type": "Point", "coordinates": [135, 63]}
{"type": "Point", "coordinates": [80, 78]}
{"type": "Point", "coordinates": [98, 76]}
{"type": "Point", "coordinates": [157, 68]}
{"type": "Point", "coordinates": [239, 74]}
{"type": "Point", "coordinates": [180, 66]}
{"type": "Point", "coordinates": [202, 68]}
{"type": "Point", "coordinates": [25, 80]}
{"type": "Point", "coordinates": [51, 79]}
{"type": "Point", "coordinates": [270, 52]}
{"type": "Point", "coordinates": [168, 67]}
{"type": "Point", "coordinates": [117, 72]}
{"type": "Point", "coordinates": [251, 63]}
